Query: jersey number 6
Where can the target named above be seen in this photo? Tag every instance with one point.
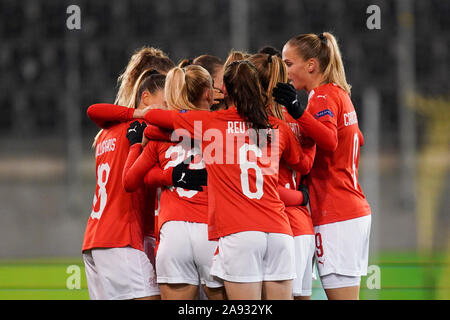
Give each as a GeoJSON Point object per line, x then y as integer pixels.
{"type": "Point", "coordinates": [245, 165]}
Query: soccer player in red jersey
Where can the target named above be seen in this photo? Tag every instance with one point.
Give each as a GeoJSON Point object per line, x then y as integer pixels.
{"type": "Point", "coordinates": [113, 248]}
{"type": "Point", "coordinates": [340, 212]}
{"type": "Point", "coordinates": [271, 70]}
{"type": "Point", "coordinates": [242, 147]}
{"type": "Point", "coordinates": [184, 254]}
{"type": "Point", "coordinates": [115, 267]}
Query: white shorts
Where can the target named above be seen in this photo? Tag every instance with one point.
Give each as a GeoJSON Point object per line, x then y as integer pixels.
{"type": "Point", "coordinates": [333, 281]}
{"type": "Point", "coordinates": [254, 256]}
{"type": "Point", "coordinates": [185, 254]}
{"type": "Point", "coordinates": [304, 254]}
{"type": "Point", "coordinates": [119, 274]}
{"type": "Point", "coordinates": [343, 247]}
{"type": "Point", "coordinates": [149, 249]}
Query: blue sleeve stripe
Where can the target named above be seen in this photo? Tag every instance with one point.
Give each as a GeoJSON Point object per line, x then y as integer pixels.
{"type": "Point", "coordinates": [323, 113]}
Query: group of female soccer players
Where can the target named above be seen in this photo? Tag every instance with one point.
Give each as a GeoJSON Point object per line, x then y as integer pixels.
{"type": "Point", "coordinates": [205, 171]}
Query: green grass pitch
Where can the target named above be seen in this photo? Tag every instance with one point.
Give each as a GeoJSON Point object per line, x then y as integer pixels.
{"type": "Point", "coordinates": [403, 276]}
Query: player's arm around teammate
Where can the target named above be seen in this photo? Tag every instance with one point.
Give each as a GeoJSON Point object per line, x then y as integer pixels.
{"type": "Point", "coordinates": [185, 253]}
{"type": "Point", "coordinates": [113, 247]}
{"type": "Point", "coordinates": [340, 212]}
{"type": "Point", "coordinates": [117, 264]}
{"type": "Point", "coordinates": [256, 248]}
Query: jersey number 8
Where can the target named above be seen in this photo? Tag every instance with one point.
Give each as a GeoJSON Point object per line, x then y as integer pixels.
{"type": "Point", "coordinates": [103, 171]}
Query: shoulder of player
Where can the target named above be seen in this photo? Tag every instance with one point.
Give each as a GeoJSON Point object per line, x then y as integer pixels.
{"type": "Point", "coordinates": [116, 130]}
{"type": "Point", "coordinates": [193, 112]}
{"type": "Point", "coordinates": [326, 92]}
{"type": "Point", "coordinates": [278, 123]}
{"type": "Point", "coordinates": [225, 113]}
{"type": "Point", "coordinates": [193, 115]}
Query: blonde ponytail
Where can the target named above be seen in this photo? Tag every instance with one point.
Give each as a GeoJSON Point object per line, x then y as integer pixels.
{"type": "Point", "coordinates": [334, 71]}
{"type": "Point", "coordinates": [325, 49]}
{"type": "Point", "coordinates": [235, 55]}
{"type": "Point", "coordinates": [278, 73]}
{"type": "Point", "coordinates": [122, 98]}
{"type": "Point", "coordinates": [185, 86]}
{"type": "Point", "coordinates": [142, 59]}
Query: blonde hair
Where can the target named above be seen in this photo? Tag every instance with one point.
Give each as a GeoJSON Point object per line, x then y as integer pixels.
{"type": "Point", "coordinates": [142, 59]}
{"type": "Point", "coordinates": [271, 70]}
{"type": "Point", "coordinates": [185, 86]}
{"type": "Point", "coordinates": [235, 55]}
{"type": "Point", "coordinates": [325, 49]}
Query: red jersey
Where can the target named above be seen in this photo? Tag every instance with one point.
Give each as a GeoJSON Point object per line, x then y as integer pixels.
{"type": "Point", "coordinates": [117, 217]}
{"type": "Point", "coordinates": [242, 175]}
{"type": "Point", "coordinates": [335, 194]}
{"type": "Point", "coordinates": [176, 204]}
{"type": "Point", "coordinates": [106, 115]}
{"type": "Point", "coordinates": [299, 216]}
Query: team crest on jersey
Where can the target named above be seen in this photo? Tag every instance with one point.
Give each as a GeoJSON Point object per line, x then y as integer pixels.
{"type": "Point", "coordinates": [323, 113]}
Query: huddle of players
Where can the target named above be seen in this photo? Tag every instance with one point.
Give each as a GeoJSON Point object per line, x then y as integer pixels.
{"type": "Point", "coordinates": [163, 228]}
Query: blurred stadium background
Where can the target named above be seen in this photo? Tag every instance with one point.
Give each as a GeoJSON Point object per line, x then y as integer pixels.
{"type": "Point", "coordinates": [50, 75]}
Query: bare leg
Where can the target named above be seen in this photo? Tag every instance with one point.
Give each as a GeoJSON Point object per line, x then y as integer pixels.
{"type": "Point", "coordinates": [215, 293]}
{"type": "Point", "coordinates": [243, 290]}
{"type": "Point", "coordinates": [277, 290]}
{"type": "Point", "coordinates": [302, 298]}
{"type": "Point", "coordinates": [179, 291]}
{"type": "Point", "coordinates": [346, 293]}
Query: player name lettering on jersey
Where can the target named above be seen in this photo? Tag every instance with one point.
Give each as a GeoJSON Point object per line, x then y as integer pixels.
{"type": "Point", "coordinates": [350, 118]}
{"type": "Point", "coordinates": [108, 145]}
{"type": "Point", "coordinates": [237, 127]}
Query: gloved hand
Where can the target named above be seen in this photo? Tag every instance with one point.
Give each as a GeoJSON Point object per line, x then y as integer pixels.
{"type": "Point", "coordinates": [189, 179]}
{"type": "Point", "coordinates": [304, 189]}
{"type": "Point", "coordinates": [135, 132]}
{"type": "Point", "coordinates": [286, 95]}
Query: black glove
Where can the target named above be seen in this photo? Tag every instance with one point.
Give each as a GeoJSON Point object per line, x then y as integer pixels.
{"type": "Point", "coordinates": [186, 178]}
{"type": "Point", "coordinates": [304, 189]}
{"type": "Point", "coordinates": [286, 95]}
{"type": "Point", "coordinates": [135, 132]}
